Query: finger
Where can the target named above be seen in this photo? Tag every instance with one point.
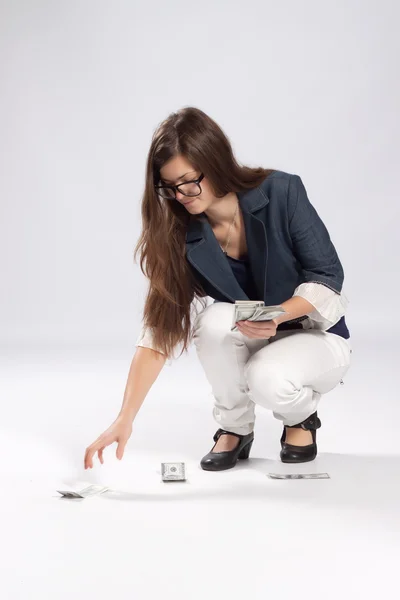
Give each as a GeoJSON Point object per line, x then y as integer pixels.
{"type": "Point", "coordinates": [100, 455]}
{"type": "Point", "coordinates": [120, 449]}
{"type": "Point", "coordinates": [246, 332]}
{"type": "Point", "coordinates": [88, 458]}
{"type": "Point", "coordinates": [257, 325]}
{"type": "Point", "coordinates": [260, 333]}
{"type": "Point", "coordinates": [243, 329]}
{"type": "Point", "coordinates": [90, 452]}
{"type": "Point", "coordinates": [253, 333]}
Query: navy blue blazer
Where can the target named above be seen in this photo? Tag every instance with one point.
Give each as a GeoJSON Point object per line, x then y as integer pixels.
{"type": "Point", "coordinates": [287, 244]}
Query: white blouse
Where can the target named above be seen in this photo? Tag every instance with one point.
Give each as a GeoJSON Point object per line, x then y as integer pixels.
{"type": "Point", "coordinates": [329, 308]}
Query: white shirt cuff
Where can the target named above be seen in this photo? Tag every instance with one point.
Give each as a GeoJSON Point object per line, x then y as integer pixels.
{"type": "Point", "coordinates": [145, 340]}
{"type": "Point", "coordinates": [329, 305]}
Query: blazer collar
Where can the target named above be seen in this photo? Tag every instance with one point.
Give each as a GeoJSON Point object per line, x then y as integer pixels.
{"type": "Point", "coordinates": [204, 252]}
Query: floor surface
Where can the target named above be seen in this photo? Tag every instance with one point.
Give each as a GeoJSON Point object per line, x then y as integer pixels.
{"type": "Point", "coordinates": [229, 534]}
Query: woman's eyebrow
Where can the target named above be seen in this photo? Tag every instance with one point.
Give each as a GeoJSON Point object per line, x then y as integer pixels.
{"type": "Point", "coordinates": [169, 181]}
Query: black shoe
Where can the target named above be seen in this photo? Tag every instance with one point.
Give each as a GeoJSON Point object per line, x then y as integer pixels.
{"type": "Point", "coordinates": [219, 461]}
{"type": "Point", "coordinates": [297, 454]}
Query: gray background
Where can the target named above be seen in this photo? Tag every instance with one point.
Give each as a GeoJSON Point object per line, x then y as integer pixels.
{"type": "Point", "coordinates": [309, 87]}
{"type": "Point", "coordinates": [306, 87]}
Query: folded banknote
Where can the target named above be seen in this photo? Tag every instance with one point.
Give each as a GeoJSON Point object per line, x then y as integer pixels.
{"type": "Point", "coordinates": [91, 490]}
{"type": "Point", "coordinates": [298, 475]}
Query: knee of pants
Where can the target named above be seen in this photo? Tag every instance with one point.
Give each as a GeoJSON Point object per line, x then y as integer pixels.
{"type": "Point", "coordinates": [213, 323]}
{"type": "Point", "coordinates": [268, 385]}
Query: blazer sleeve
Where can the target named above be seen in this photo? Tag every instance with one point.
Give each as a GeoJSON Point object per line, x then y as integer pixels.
{"type": "Point", "coordinates": [312, 245]}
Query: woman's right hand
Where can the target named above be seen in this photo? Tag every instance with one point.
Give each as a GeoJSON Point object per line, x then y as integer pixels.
{"type": "Point", "coordinates": [120, 432]}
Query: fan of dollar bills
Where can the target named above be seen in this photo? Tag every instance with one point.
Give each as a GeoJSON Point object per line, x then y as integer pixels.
{"type": "Point", "coordinates": [255, 310]}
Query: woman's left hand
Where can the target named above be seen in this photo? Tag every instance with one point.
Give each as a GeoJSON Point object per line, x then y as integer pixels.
{"type": "Point", "coordinates": [258, 329]}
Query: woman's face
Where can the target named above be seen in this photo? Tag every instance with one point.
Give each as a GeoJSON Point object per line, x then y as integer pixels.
{"type": "Point", "coordinates": [178, 170]}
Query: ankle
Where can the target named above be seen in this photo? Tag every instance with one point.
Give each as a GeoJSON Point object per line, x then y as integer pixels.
{"type": "Point", "coordinates": [226, 443]}
{"type": "Point", "coordinates": [298, 436]}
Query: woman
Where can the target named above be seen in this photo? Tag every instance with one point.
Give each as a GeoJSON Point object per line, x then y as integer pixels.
{"type": "Point", "coordinates": [212, 227]}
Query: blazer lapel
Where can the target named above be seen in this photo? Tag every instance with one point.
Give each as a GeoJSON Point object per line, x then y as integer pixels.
{"type": "Point", "coordinates": [205, 254]}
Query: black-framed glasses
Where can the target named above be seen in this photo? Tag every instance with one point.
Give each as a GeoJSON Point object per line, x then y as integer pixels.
{"type": "Point", "coordinates": [188, 188]}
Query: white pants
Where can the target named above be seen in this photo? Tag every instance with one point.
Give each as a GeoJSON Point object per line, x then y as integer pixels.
{"type": "Point", "coordinates": [286, 373]}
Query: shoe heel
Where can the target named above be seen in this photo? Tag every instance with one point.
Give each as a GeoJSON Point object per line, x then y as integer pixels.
{"type": "Point", "coordinates": [245, 451]}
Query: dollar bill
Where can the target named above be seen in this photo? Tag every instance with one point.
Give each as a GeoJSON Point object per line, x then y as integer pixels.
{"type": "Point", "coordinates": [91, 490]}
{"type": "Point", "coordinates": [299, 475]}
{"type": "Point", "coordinates": [254, 310]}
{"type": "Point", "coordinates": [173, 471]}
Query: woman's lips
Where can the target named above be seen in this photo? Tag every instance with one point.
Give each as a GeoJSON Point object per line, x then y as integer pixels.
{"type": "Point", "coordinates": [190, 202]}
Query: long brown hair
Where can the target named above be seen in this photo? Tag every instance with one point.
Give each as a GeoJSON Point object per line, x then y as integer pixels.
{"type": "Point", "coordinates": [173, 288]}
